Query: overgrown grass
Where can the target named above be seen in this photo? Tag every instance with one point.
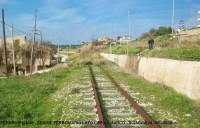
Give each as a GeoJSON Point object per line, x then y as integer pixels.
{"type": "Point", "coordinates": [27, 99]}
{"type": "Point", "coordinates": [178, 54]}
{"type": "Point", "coordinates": [164, 47]}
{"type": "Point", "coordinates": [122, 49]}
{"type": "Point", "coordinates": [86, 55]}
{"type": "Point", "coordinates": [162, 38]}
{"type": "Point", "coordinates": [48, 97]}
{"type": "Point", "coordinates": [52, 96]}
{"type": "Point", "coordinates": [167, 104]}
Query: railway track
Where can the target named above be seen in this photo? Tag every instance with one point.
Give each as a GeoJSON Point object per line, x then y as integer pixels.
{"type": "Point", "coordinates": [112, 105]}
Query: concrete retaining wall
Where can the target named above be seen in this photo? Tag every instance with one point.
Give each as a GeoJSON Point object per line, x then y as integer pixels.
{"type": "Point", "coordinates": [117, 59]}
{"type": "Point", "coordinates": [183, 76]}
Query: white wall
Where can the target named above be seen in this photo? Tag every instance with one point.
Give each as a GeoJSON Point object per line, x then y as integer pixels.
{"type": "Point", "coordinates": [183, 76]}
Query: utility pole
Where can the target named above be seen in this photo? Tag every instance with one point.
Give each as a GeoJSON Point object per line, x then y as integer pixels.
{"type": "Point", "coordinates": [32, 49]}
{"type": "Point", "coordinates": [13, 48]}
{"type": "Point", "coordinates": [115, 33]}
{"type": "Point", "coordinates": [128, 30]}
{"type": "Point", "coordinates": [172, 17]}
{"type": "Point", "coordinates": [68, 51]}
{"type": "Point", "coordinates": [172, 21]}
{"type": "Point", "coordinates": [198, 20]}
{"type": "Point", "coordinates": [129, 25]}
{"type": "Point", "coordinates": [57, 53]}
{"type": "Point", "coordinates": [4, 40]}
{"type": "Point", "coordinates": [110, 43]}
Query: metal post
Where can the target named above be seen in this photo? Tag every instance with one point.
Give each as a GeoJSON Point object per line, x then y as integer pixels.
{"type": "Point", "coordinates": [128, 30]}
{"type": "Point", "coordinates": [13, 48]}
{"type": "Point", "coordinates": [4, 40]}
{"type": "Point", "coordinates": [110, 48]}
{"type": "Point", "coordinates": [32, 49]}
{"type": "Point", "coordinates": [172, 21]}
{"type": "Point", "coordinates": [115, 33]}
{"type": "Point", "coordinates": [198, 20]}
{"type": "Point", "coordinates": [57, 53]}
{"type": "Point", "coordinates": [129, 23]}
{"type": "Point", "coordinates": [110, 43]}
{"type": "Point", "coordinates": [68, 51]}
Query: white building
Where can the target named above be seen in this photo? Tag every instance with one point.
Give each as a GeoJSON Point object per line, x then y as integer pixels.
{"type": "Point", "coordinates": [123, 39]}
{"type": "Point", "coordinates": [23, 62]}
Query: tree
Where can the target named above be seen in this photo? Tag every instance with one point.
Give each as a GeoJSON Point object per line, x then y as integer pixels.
{"type": "Point", "coordinates": [18, 52]}
{"type": "Point", "coordinates": [152, 32]}
{"type": "Point", "coordinates": [169, 30]}
{"type": "Point", "coordinates": [95, 42]}
{"type": "Point", "coordinates": [161, 31]}
{"type": "Point", "coordinates": [43, 52]}
{"type": "Point", "coordinates": [181, 25]}
{"type": "Point", "coordinates": [144, 35]}
{"type": "Point", "coordinates": [27, 50]}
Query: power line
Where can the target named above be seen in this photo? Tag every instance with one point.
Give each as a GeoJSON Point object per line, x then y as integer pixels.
{"type": "Point", "coordinates": [19, 30]}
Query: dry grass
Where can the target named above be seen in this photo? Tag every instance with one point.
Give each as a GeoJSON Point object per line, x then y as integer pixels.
{"type": "Point", "coordinates": [59, 66]}
{"type": "Point", "coordinates": [70, 65]}
{"type": "Point", "coordinates": [99, 61]}
{"type": "Point", "coordinates": [99, 48]}
{"type": "Point", "coordinates": [74, 56]}
{"type": "Point", "coordinates": [176, 43]}
{"type": "Point", "coordinates": [86, 49]}
{"type": "Point", "coordinates": [140, 43]}
{"type": "Point", "coordinates": [88, 54]}
{"type": "Point", "coordinates": [198, 105]}
{"type": "Point", "coordinates": [169, 43]}
{"type": "Point", "coordinates": [191, 45]}
{"type": "Point", "coordinates": [84, 62]}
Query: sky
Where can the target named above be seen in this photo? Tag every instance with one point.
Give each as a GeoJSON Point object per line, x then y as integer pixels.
{"type": "Point", "coordinates": [75, 21]}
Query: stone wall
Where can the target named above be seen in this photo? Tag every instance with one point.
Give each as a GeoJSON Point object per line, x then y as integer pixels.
{"type": "Point", "coordinates": [191, 35]}
{"type": "Point", "coordinates": [191, 31]}
{"type": "Point", "coordinates": [182, 38]}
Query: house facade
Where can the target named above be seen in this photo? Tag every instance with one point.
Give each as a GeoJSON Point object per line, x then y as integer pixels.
{"type": "Point", "coordinates": [123, 39]}
{"type": "Point", "coordinates": [105, 40]}
{"type": "Point", "coordinates": [22, 59]}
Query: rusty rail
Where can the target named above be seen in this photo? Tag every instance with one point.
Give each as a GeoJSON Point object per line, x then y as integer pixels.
{"type": "Point", "coordinates": [138, 109]}
{"type": "Point", "coordinates": [98, 106]}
